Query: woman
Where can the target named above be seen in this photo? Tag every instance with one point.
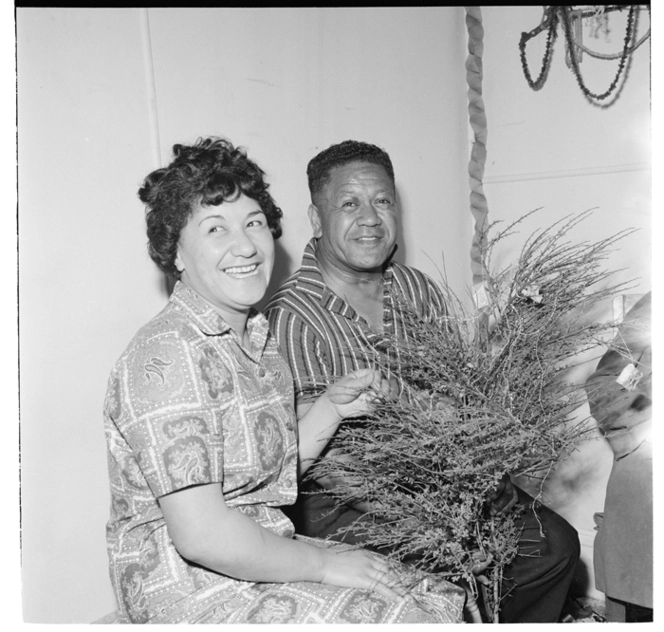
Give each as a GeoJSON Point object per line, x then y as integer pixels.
{"type": "Point", "coordinates": [200, 429]}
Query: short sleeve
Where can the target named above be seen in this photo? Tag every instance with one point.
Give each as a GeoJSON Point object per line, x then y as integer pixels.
{"type": "Point", "coordinates": [175, 438]}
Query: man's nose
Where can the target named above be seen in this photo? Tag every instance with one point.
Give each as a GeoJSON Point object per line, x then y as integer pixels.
{"type": "Point", "coordinates": [368, 215]}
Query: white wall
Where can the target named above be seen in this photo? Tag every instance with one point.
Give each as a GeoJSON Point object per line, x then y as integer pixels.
{"type": "Point", "coordinates": [102, 96]}
{"type": "Point", "coordinates": [553, 149]}
{"type": "Point", "coordinates": [86, 284]}
{"type": "Point", "coordinates": [287, 83]}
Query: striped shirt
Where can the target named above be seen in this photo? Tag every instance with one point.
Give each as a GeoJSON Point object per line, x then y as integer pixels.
{"type": "Point", "coordinates": [323, 338]}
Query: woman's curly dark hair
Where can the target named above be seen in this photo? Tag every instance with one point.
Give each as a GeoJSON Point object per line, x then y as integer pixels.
{"type": "Point", "coordinates": [209, 172]}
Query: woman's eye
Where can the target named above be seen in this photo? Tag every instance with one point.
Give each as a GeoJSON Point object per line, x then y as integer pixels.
{"type": "Point", "coordinates": [216, 229]}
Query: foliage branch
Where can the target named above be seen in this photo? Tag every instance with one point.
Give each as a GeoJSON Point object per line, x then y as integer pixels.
{"type": "Point", "coordinates": [483, 393]}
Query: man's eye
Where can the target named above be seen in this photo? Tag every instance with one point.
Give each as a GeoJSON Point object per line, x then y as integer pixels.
{"type": "Point", "coordinates": [384, 201]}
{"type": "Point", "coordinates": [348, 204]}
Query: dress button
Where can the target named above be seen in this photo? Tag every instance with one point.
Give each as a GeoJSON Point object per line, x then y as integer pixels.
{"type": "Point", "coordinates": [288, 483]}
{"type": "Point", "coordinates": [261, 372]}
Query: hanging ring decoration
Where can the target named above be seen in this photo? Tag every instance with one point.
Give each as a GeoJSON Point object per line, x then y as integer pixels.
{"type": "Point", "coordinates": [592, 53]}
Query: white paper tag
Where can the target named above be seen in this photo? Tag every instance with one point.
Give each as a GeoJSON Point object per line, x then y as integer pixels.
{"type": "Point", "coordinates": [629, 377]}
{"type": "Point", "coordinates": [532, 292]}
{"type": "Point", "coordinates": [481, 297]}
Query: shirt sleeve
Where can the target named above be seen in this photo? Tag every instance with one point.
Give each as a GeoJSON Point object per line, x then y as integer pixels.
{"type": "Point", "coordinates": [159, 407]}
{"type": "Point", "coordinates": [610, 400]}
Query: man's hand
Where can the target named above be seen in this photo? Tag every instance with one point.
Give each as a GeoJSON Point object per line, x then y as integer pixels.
{"type": "Point", "coordinates": [504, 498]}
{"type": "Point", "coordinates": [481, 563]}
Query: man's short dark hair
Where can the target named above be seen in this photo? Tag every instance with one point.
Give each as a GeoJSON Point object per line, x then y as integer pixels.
{"type": "Point", "coordinates": [320, 166]}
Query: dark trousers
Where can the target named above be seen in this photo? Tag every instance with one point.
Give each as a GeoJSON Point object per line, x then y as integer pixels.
{"type": "Point", "coordinates": [536, 582]}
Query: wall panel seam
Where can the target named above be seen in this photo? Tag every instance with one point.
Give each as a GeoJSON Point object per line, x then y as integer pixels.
{"type": "Point", "coordinates": [150, 86]}
{"type": "Point", "coordinates": [569, 173]}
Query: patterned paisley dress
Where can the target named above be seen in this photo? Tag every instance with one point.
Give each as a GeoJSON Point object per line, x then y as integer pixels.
{"type": "Point", "coordinates": [187, 405]}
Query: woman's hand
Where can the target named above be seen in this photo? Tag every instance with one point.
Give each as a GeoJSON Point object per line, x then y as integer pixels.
{"type": "Point", "coordinates": [362, 569]}
{"type": "Point", "coordinates": [354, 394]}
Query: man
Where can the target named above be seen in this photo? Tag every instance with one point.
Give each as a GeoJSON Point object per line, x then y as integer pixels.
{"type": "Point", "coordinates": [326, 317]}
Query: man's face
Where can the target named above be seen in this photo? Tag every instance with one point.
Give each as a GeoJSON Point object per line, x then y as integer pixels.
{"type": "Point", "coordinates": [355, 219]}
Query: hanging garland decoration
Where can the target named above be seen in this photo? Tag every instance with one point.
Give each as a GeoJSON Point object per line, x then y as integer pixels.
{"type": "Point", "coordinates": [629, 33]}
{"type": "Point", "coordinates": [568, 16]}
{"type": "Point", "coordinates": [552, 22]}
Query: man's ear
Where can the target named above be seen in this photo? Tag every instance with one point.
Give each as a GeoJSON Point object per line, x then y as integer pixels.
{"type": "Point", "coordinates": [314, 219]}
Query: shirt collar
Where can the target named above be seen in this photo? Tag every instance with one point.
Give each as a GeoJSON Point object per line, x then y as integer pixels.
{"type": "Point", "coordinates": [211, 323]}
{"type": "Point", "coordinates": [310, 281]}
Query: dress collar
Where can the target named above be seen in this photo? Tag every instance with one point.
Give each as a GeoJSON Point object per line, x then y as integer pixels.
{"type": "Point", "coordinates": [211, 323]}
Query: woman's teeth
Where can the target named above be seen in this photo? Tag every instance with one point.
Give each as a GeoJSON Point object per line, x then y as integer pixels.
{"type": "Point", "coordinates": [238, 270]}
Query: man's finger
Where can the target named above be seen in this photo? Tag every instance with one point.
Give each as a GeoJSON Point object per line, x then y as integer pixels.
{"type": "Point", "coordinates": [481, 564]}
{"type": "Point", "coordinates": [505, 505]}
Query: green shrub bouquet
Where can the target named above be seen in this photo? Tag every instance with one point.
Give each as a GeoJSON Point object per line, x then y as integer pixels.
{"type": "Point", "coordinates": [483, 393]}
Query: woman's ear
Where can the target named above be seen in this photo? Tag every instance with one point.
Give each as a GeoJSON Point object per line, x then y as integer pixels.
{"type": "Point", "coordinates": [314, 219]}
{"type": "Point", "coordinates": [179, 265]}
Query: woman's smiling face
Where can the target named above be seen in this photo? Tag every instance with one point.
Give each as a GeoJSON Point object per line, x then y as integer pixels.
{"type": "Point", "coordinates": [226, 254]}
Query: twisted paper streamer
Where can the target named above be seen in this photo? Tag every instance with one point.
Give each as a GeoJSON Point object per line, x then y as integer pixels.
{"type": "Point", "coordinates": [477, 118]}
